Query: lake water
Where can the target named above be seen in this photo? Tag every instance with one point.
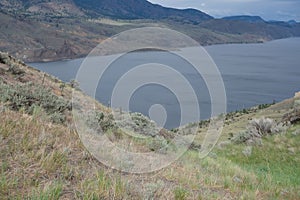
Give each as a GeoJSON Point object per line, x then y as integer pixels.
{"type": "Point", "coordinates": [252, 73]}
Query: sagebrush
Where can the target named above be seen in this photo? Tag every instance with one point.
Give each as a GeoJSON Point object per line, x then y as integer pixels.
{"type": "Point", "coordinates": [28, 96]}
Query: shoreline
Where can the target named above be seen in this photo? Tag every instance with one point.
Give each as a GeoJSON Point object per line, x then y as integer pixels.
{"type": "Point", "coordinates": [82, 56]}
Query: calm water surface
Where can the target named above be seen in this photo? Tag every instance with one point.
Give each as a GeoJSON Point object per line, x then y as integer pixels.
{"type": "Point", "coordinates": [252, 73]}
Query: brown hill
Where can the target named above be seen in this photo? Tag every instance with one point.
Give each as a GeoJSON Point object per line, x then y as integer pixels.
{"type": "Point", "coordinates": [38, 30]}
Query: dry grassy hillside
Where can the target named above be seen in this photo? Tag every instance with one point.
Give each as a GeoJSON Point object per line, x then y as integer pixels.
{"type": "Point", "coordinates": [42, 157]}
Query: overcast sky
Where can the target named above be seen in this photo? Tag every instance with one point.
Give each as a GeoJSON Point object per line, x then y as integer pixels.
{"type": "Point", "coordinates": [267, 9]}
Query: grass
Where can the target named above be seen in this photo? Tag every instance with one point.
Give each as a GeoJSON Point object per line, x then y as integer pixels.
{"type": "Point", "coordinates": [40, 159]}
{"type": "Point", "coordinates": [49, 162]}
{"type": "Point", "coordinates": [180, 194]}
{"type": "Point", "coordinates": [53, 191]}
{"type": "Point", "coordinates": [277, 168]}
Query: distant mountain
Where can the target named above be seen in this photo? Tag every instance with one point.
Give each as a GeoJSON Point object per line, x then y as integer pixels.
{"type": "Point", "coordinates": [138, 9]}
{"type": "Point", "coordinates": [43, 30]}
{"type": "Point", "coordinates": [116, 9]}
{"type": "Point", "coordinates": [292, 22]}
{"type": "Point", "coordinates": [264, 30]}
{"type": "Point", "coordinates": [246, 18]}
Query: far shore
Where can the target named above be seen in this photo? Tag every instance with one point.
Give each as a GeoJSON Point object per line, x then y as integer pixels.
{"type": "Point", "coordinates": [83, 55]}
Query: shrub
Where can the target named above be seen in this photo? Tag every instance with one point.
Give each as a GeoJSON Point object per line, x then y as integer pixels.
{"type": "Point", "coordinates": [139, 119]}
{"type": "Point", "coordinates": [262, 126]}
{"type": "Point", "coordinates": [4, 58]}
{"type": "Point", "coordinates": [258, 128]}
{"type": "Point", "coordinates": [15, 70]}
{"type": "Point", "coordinates": [57, 118]}
{"type": "Point", "coordinates": [263, 106]}
{"type": "Point", "coordinates": [105, 121]}
{"type": "Point", "coordinates": [74, 84]}
{"type": "Point", "coordinates": [158, 144]}
{"type": "Point", "coordinates": [292, 117]}
{"type": "Point", "coordinates": [143, 125]}
{"type": "Point", "coordinates": [12, 63]}
{"type": "Point", "coordinates": [62, 87]}
{"type": "Point", "coordinates": [242, 137]}
{"type": "Point", "coordinates": [28, 96]}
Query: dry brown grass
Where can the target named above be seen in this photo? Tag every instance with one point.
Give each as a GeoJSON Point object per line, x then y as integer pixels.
{"type": "Point", "coordinates": [42, 160]}
{"type": "Point", "coordinates": [36, 154]}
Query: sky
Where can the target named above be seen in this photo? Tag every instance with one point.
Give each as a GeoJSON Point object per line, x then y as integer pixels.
{"type": "Point", "coordinates": [282, 10]}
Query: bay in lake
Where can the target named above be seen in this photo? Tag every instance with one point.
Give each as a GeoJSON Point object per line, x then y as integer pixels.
{"type": "Point", "coordinates": [252, 73]}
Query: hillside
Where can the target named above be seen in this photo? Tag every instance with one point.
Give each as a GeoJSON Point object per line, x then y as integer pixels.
{"type": "Point", "coordinates": [42, 156]}
{"type": "Point", "coordinates": [117, 9]}
{"type": "Point", "coordinates": [42, 30]}
{"type": "Point", "coordinates": [138, 9]}
{"type": "Point", "coordinates": [246, 18]}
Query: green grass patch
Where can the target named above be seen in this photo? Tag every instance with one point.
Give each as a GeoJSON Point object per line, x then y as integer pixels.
{"type": "Point", "coordinates": [276, 162]}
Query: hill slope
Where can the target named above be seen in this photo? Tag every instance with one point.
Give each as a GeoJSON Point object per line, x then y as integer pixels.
{"type": "Point", "coordinates": [74, 27]}
{"type": "Point", "coordinates": [118, 9]}
{"type": "Point", "coordinates": [43, 158]}
{"type": "Point", "coordinates": [246, 18]}
{"type": "Point", "coordinates": [138, 9]}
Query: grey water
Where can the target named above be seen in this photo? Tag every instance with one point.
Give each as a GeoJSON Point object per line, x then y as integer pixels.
{"type": "Point", "coordinates": [252, 73]}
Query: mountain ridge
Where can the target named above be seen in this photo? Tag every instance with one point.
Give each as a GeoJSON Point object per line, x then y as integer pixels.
{"type": "Point", "coordinates": [80, 25]}
{"type": "Point", "coordinates": [138, 9]}
{"type": "Point", "coordinates": [247, 18]}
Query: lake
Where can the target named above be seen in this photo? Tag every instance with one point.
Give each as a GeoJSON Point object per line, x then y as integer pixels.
{"type": "Point", "coordinates": [252, 73]}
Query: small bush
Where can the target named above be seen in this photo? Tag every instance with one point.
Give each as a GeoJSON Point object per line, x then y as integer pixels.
{"type": "Point", "coordinates": [158, 144]}
{"type": "Point", "coordinates": [57, 118]}
{"type": "Point", "coordinates": [28, 96]}
{"type": "Point", "coordinates": [242, 137]}
{"type": "Point", "coordinates": [263, 106]}
{"type": "Point", "coordinates": [292, 117]}
{"type": "Point", "coordinates": [4, 58]}
{"type": "Point", "coordinates": [105, 121]}
{"type": "Point", "coordinates": [74, 84]}
{"type": "Point", "coordinates": [13, 64]}
{"type": "Point", "coordinates": [258, 128]}
{"type": "Point", "coordinates": [15, 70]}
{"type": "Point", "coordinates": [139, 119]}
{"type": "Point", "coordinates": [262, 126]}
{"type": "Point", "coordinates": [144, 125]}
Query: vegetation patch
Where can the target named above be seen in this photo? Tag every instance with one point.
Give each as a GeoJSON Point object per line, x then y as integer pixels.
{"type": "Point", "coordinates": [28, 96]}
{"type": "Point", "coordinates": [276, 163]}
{"type": "Point", "coordinates": [258, 128]}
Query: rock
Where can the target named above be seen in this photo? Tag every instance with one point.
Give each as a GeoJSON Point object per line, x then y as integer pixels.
{"type": "Point", "coordinates": [247, 151]}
